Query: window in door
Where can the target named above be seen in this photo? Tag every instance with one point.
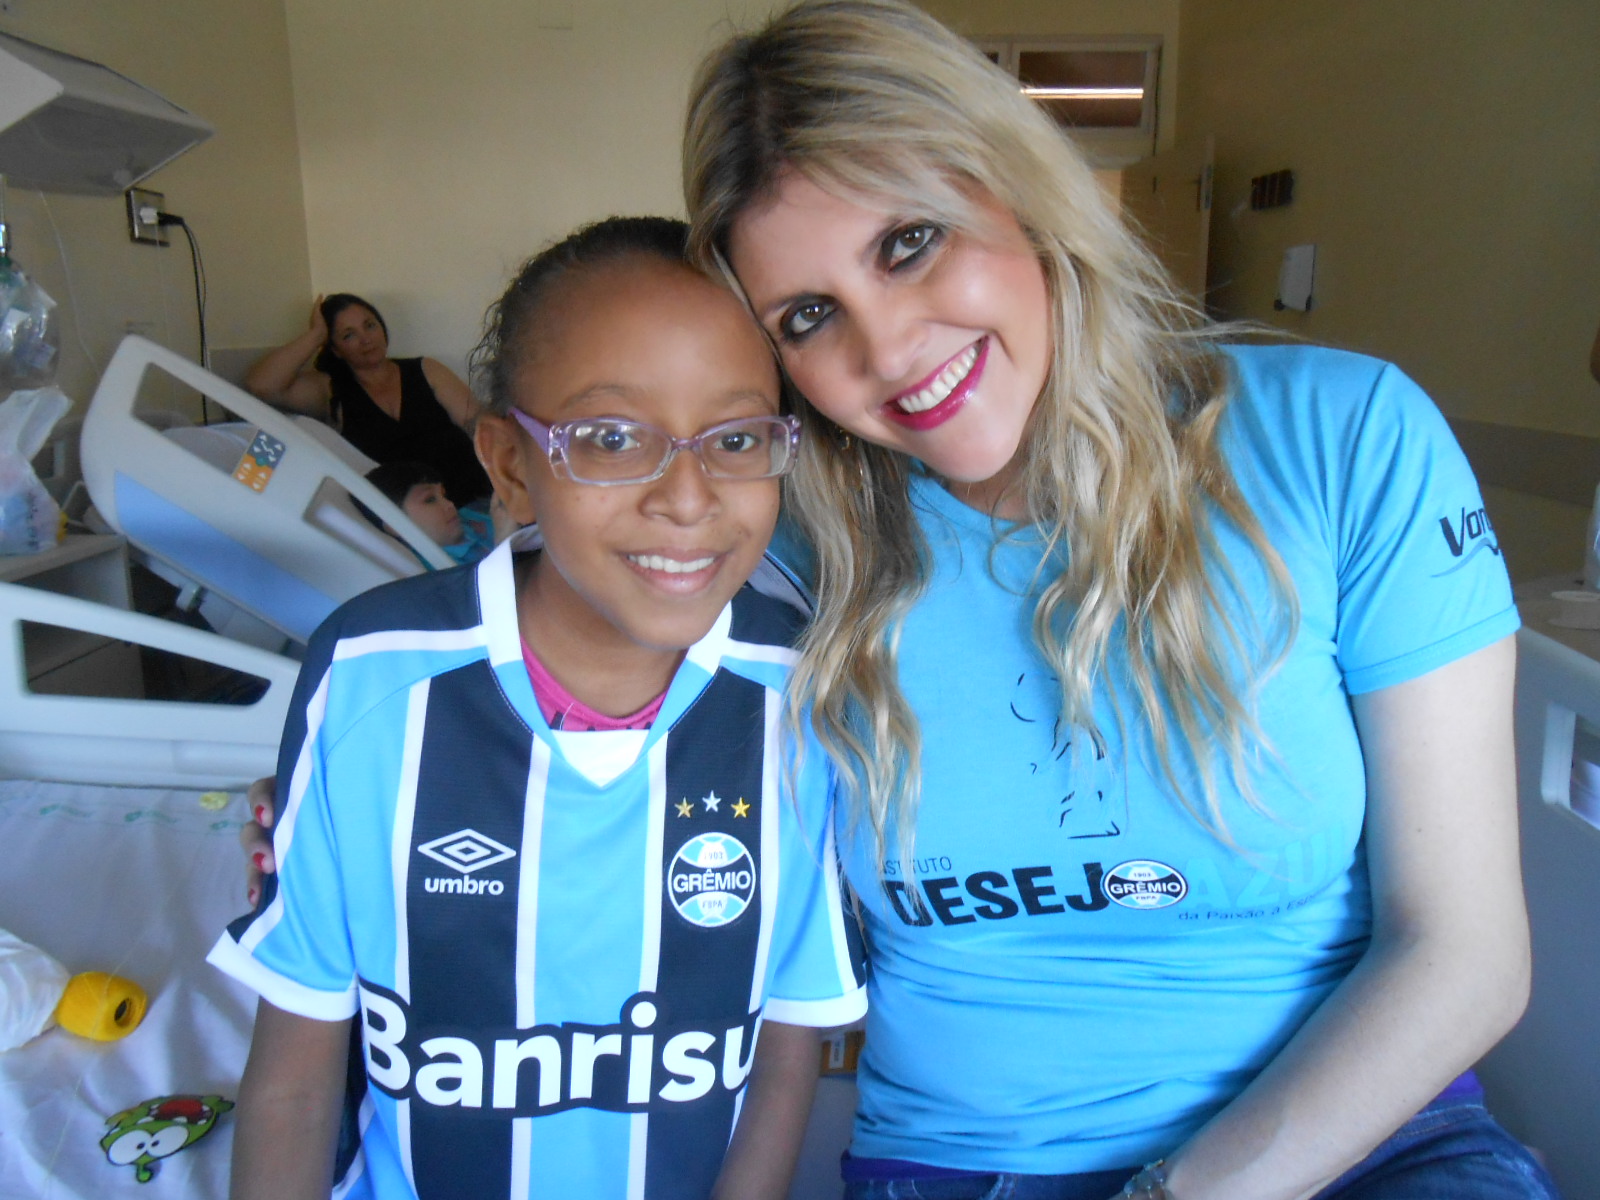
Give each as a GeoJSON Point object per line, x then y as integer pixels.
{"type": "Point", "coordinates": [1101, 91]}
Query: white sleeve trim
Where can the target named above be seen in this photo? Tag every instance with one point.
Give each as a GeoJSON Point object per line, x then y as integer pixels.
{"type": "Point", "coordinates": [279, 990]}
{"type": "Point", "coordinates": [819, 1014]}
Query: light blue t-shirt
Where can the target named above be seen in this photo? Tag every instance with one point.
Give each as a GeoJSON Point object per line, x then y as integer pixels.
{"type": "Point", "coordinates": [1092, 974]}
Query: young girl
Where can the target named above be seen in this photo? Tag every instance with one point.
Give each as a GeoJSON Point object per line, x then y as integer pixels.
{"type": "Point", "coordinates": [536, 833]}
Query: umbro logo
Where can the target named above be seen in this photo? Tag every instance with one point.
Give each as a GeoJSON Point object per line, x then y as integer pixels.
{"type": "Point", "coordinates": [466, 850]}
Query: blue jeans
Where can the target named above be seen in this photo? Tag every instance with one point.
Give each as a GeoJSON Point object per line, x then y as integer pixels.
{"type": "Point", "coordinates": [1453, 1150]}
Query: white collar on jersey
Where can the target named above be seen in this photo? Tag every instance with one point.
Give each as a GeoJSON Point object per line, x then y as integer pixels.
{"type": "Point", "coordinates": [497, 598]}
{"type": "Point", "coordinates": [601, 755]}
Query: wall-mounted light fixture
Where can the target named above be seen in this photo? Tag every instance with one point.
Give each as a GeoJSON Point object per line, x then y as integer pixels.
{"type": "Point", "coordinates": [71, 125]}
{"type": "Point", "coordinates": [1084, 93]}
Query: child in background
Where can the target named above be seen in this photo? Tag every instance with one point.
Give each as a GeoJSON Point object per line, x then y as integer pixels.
{"type": "Point", "coordinates": [560, 945]}
{"type": "Point", "coordinates": [418, 491]}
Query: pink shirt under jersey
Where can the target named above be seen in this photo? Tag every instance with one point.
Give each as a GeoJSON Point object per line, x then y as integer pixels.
{"type": "Point", "coordinates": [566, 712]}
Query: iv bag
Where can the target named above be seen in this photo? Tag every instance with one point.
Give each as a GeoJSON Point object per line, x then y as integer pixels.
{"type": "Point", "coordinates": [30, 333]}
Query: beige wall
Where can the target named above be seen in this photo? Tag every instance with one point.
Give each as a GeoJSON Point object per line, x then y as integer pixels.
{"type": "Point", "coordinates": [1540, 537]}
{"type": "Point", "coordinates": [229, 63]}
{"type": "Point", "coordinates": [1045, 18]}
{"type": "Point", "coordinates": [1447, 165]}
{"type": "Point", "coordinates": [448, 141]}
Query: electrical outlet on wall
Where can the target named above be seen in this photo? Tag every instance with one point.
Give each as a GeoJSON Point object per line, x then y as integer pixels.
{"type": "Point", "coordinates": [144, 216]}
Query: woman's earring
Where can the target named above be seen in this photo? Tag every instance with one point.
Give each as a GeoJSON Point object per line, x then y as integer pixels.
{"type": "Point", "coordinates": [845, 443]}
{"type": "Point", "coordinates": [849, 449]}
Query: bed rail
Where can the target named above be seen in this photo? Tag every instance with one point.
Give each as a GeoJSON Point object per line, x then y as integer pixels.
{"type": "Point", "coordinates": [132, 742]}
{"type": "Point", "coordinates": [277, 537]}
{"type": "Point", "coordinates": [1543, 1080]}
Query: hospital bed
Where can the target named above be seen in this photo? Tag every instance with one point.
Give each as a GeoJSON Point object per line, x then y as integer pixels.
{"type": "Point", "coordinates": [119, 816]}
{"type": "Point", "coordinates": [126, 741]}
{"type": "Point", "coordinates": [265, 523]}
{"type": "Point", "coordinates": [134, 880]}
{"type": "Point", "coordinates": [137, 882]}
{"type": "Point", "coordinates": [257, 515]}
{"type": "Point", "coordinates": [1543, 1080]}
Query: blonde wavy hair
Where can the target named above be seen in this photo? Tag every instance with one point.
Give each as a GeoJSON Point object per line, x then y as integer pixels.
{"type": "Point", "coordinates": [1119, 468]}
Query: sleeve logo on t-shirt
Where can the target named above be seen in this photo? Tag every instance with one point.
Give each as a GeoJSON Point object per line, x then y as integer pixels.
{"type": "Point", "coordinates": [712, 880]}
{"type": "Point", "coordinates": [1467, 537]}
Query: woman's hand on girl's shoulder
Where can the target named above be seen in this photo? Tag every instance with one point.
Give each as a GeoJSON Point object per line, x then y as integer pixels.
{"type": "Point", "coordinates": [256, 839]}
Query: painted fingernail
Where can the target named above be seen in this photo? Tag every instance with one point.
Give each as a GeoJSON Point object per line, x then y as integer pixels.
{"type": "Point", "coordinates": [253, 895]}
{"type": "Point", "coordinates": [261, 814]}
{"type": "Point", "coordinates": [260, 860]}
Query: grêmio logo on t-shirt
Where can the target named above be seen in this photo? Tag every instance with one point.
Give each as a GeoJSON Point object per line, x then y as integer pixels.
{"type": "Point", "coordinates": [1470, 533]}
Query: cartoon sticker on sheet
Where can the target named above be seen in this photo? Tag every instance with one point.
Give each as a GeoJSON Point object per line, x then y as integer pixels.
{"type": "Point", "coordinates": [259, 461]}
{"type": "Point", "coordinates": [143, 1135]}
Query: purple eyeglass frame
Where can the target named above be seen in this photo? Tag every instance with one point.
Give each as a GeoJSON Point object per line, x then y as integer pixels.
{"type": "Point", "coordinates": [552, 439]}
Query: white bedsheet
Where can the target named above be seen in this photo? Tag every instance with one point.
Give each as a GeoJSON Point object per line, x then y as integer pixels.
{"type": "Point", "coordinates": [137, 882]}
{"type": "Point", "coordinates": [140, 882]}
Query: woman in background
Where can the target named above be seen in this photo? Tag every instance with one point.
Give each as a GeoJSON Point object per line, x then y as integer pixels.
{"type": "Point", "coordinates": [1177, 737]}
{"type": "Point", "coordinates": [391, 409]}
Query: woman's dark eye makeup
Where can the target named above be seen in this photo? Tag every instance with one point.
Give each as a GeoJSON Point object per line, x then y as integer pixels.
{"type": "Point", "coordinates": [802, 318]}
{"type": "Point", "coordinates": [907, 243]}
{"type": "Point", "coordinates": [902, 247]}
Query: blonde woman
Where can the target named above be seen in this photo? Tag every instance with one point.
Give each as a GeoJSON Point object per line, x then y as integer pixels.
{"type": "Point", "coordinates": [1171, 679]}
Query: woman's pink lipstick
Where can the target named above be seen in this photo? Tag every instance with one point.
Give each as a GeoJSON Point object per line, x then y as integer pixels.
{"type": "Point", "coordinates": [951, 404]}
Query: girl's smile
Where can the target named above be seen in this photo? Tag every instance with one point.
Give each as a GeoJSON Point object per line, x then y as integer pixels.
{"type": "Point", "coordinates": [661, 564]}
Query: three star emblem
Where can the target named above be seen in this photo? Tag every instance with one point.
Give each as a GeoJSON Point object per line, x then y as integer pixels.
{"type": "Point", "coordinates": [685, 807]}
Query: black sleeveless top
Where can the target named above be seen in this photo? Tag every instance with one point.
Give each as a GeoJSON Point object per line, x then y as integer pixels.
{"type": "Point", "coordinates": [424, 432]}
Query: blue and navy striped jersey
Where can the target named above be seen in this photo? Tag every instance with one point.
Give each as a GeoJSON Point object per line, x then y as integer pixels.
{"type": "Point", "coordinates": [559, 945]}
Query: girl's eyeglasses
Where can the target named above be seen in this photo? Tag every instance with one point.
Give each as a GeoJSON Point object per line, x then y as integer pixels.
{"type": "Point", "coordinates": [607, 451]}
